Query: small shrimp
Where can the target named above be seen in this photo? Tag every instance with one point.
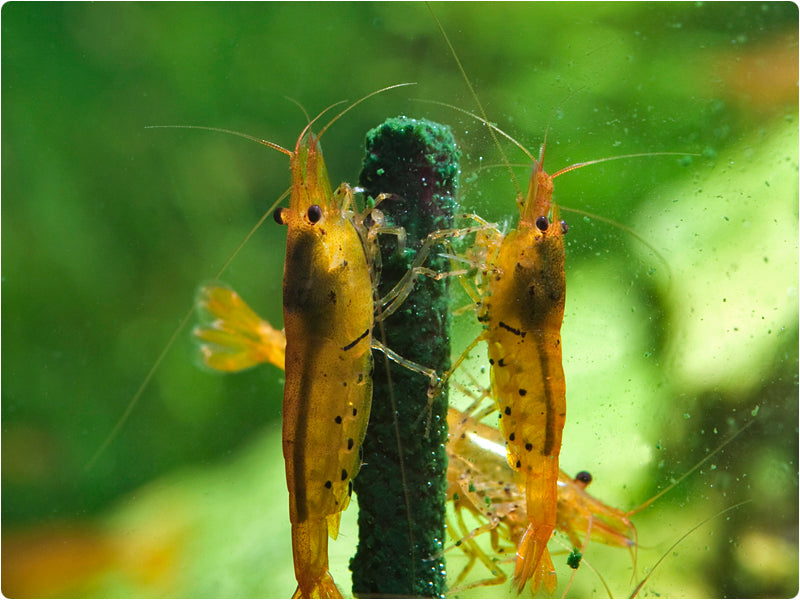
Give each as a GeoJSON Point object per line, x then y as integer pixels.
{"type": "Point", "coordinates": [521, 305]}
{"type": "Point", "coordinates": [520, 299]}
{"type": "Point", "coordinates": [329, 313]}
{"type": "Point", "coordinates": [523, 312]}
{"type": "Point", "coordinates": [482, 483]}
{"type": "Point", "coordinates": [328, 318]}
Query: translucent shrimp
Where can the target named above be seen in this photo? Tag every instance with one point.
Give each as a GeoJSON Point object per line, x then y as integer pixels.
{"type": "Point", "coordinates": [330, 308]}
{"type": "Point", "coordinates": [328, 317]}
{"type": "Point", "coordinates": [521, 305]}
{"type": "Point", "coordinates": [482, 483]}
{"type": "Point", "coordinates": [521, 298]}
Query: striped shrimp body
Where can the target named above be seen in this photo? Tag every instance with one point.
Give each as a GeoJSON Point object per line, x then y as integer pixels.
{"type": "Point", "coordinates": [521, 296]}
{"type": "Point", "coordinates": [522, 299]}
{"type": "Point", "coordinates": [330, 309]}
{"type": "Point", "coordinates": [328, 317]}
{"type": "Point", "coordinates": [521, 291]}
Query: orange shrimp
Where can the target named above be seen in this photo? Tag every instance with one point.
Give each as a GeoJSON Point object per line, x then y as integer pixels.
{"type": "Point", "coordinates": [328, 317]}
{"type": "Point", "coordinates": [522, 308]}
{"type": "Point", "coordinates": [521, 298]}
{"type": "Point", "coordinates": [523, 314]}
{"type": "Point", "coordinates": [329, 313]}
{"type": "Point", "coordinates": [330, 308]}
{"type": "Point", "coordinates": [328, 320]}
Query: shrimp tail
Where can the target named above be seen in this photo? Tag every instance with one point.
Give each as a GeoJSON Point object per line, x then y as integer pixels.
{"type": "Point", "coordinates": [231, 336]}
{"type": "Point", "coordinates": [324, 588]}
{"type": "Point", "coordinates": [533, 559]}
{"type": "Point", "coordinates": [310, 549]}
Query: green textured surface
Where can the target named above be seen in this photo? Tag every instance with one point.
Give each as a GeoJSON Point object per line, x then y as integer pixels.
{"type": "Point", "coordinates": [401, 487]}
{"type": "Point", "coordinates": [109, 228]}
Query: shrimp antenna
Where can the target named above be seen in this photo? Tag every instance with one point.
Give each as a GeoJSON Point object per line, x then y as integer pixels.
{"type": "Point", "coordinates": [683, 537]}
{"type": "Point", "coordinates": [692, 470]}
{"type": "Point", "coordinates": [472, 91]}
{"type": "Point", "coordinates": [647, 503]}
{"type": "Point", "coordinates": [266, 143]}
{"type": "Point", "coordinates": [356, 103]}
{"type": "Point", "coordinates": [491, 126]}
{"type": "Point", "coordinates": [140, 391]}
{"type": "Point", "coordinates": [630, 231]}
{"type": "Point", "coordinates": [575, 166]}
{"type": "Point", "coordinates": [550, 121]}
{"type": "Point", "coordinates": [310, 121]}
{"type": "Point", "coordinates": [303, 108]}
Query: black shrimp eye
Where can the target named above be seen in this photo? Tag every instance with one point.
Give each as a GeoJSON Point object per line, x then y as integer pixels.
{"type": "Point", "coordinates": [279, 216]}
{"type": "Point", "coordinates": [314, 213]}
{"type": "Point", "coordinates": [564, 227]}
{"type": "Point", "coordinates": [584, 477]}
{"type": "Point", "coordinates": [542, 223]}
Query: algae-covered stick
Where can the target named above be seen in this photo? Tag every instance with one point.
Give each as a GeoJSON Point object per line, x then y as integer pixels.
{"type": "Point", "coordinates": [401, 486]}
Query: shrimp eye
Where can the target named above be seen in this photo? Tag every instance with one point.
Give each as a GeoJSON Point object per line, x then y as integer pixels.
{"type": "Point", "coordinates": [542, 223]}
{"type": "Point", "coordinates": [564, 227]}
{"type": "Point", "coordinates": [584, 477]}
{"type": "Point", "coordinates": [279, 216]}
{"type": "Point", "coordinates": [314, 213]}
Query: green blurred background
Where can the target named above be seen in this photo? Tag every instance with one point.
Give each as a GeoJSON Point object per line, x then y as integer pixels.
{"type": "Point", "coordinates": [109, 228]}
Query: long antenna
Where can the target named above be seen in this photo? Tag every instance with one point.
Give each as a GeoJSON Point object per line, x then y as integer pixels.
{"type": "Point", "coordinates": [472, 91]}
{"type": "Point", "coordinates": [139, 392]}
{"type": "Point", "coordinates": [266, 143]}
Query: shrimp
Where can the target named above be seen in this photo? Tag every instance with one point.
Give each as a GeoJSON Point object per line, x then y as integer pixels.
{"type": "Point", "coordinates": [520, 300]}
{"type": "Point", "coordinates": [522, 308]}
{"type": "Point", "coordinates": [330, 308]}
{"type": "Point", "coordinates": [522, 294]}
{"type": "Point", "coordinates": [482, 483]}
{"type": "Point", "coordinates": [328, 321]}
{"type": "Point", "coordinates": [523, 312]}
{"type": "Point", "coordinates": [328, 317]}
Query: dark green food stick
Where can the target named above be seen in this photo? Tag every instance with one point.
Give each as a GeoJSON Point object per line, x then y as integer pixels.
{"type": "Point", "coordinates": [401, 497]}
